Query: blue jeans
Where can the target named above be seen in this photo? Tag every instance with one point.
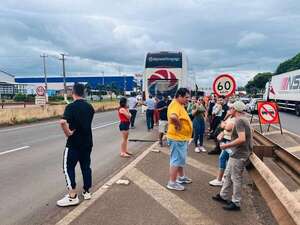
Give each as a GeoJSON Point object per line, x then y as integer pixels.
{"type": "Point", "coordinates": [223, 159]}
{"type": "Point", "coordinates": [198, 129]}
{"type": "Point", "coordinates": [149, 118]}
{"type": "Point", "coordinates": [178, 152]}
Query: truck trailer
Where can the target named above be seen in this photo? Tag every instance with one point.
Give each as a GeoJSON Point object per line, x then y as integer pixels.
{"type": "Point", "coordinates": [284, 89]}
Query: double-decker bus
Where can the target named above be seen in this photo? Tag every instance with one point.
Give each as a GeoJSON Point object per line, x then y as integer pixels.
{"type": "Point", "coordinates": [164, 73]}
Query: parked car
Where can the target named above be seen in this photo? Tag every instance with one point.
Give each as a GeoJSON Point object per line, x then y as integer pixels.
{"type": "Point", "coordinates": [251, 107]}
{"type": "Point", "coordinates": [246, 100]}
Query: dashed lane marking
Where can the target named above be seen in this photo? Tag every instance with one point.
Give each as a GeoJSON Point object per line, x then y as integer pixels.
{"type": "Point", "coordinates": [105, 125]}
{"type": "Point", "coordinates": [196, 164]}
{"type": "Point", "coordinates": [183, 211]}
{"type": "Point", "coordinates": [14, 150]}
{"type": "Point", "coordinates": [70, 217]}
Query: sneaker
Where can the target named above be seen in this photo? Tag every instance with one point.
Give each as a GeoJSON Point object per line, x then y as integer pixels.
{"type": "Point", "coordinates": [183, 180]}
{"type": "Point", "coordinates": [215, 183]}
{"type": "Point", "coordinates": [197, 150]}
{"type": "Point", "coordinates": [175, 186]}
{"type": "Point", "coordinates": [68, 201]}
{"type": "Point", "coordinates": [218, 198]}
{"type": "Point", "coordinates": [232, 207]}
{"type": "Point", "coordinates": [203, 149]}
{"type": "Point", "coordinates": [86, 195]}
{"type": "Point", "coordinates": [214, 152]}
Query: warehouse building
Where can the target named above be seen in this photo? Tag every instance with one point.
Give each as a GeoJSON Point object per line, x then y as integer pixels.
{"type": "Point", "coordinates": [8, 86]}
{"type": "Point", "coordinates": [55, 83]}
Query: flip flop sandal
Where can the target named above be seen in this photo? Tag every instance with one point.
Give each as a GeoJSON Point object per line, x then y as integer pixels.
{"type": "Point", "coordinates": [129, 153]}
{"type": "Point", "coordinates": [125, 155]}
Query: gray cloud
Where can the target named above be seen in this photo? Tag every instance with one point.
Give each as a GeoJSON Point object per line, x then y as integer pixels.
{"type": "Point", "coordinates": [238, 37]}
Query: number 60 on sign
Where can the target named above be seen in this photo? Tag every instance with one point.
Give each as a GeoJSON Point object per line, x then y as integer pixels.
{"type": "Point", "coordinates": [224, 85]}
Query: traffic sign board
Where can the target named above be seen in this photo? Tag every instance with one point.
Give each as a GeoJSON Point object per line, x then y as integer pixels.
{"type": "Point", "coordinates": [40, 91]}
{"type": "Point", "coordinates": [268, 112]}
{"type": "Point", "coordinates": [40, 100]}
{"type": "Point", "coordinates": [224, 85]}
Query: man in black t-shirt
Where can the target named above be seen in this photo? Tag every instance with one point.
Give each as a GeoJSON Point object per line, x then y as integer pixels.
{"type": "Point", "coordinates": [162, 107]}
{"type": "Point", "coordinates": [77, 126]}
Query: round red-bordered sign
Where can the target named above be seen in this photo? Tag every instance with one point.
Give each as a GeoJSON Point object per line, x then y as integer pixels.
{"type": "Point", "coordinates": [224, 85]}
{"type": "Point", "coordinates": [268, 113]}
{"type": "Point", "coordinates": [40, 91]}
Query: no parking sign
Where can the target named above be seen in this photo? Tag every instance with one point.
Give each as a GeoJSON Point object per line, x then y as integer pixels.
{"type": "Point", "coordinates": [268, 112]}
{"type": "Point", "coordinates": [224, 85]}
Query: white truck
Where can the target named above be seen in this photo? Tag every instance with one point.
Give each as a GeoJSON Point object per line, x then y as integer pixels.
{"type": "Point", "coordinates": [284, 89]}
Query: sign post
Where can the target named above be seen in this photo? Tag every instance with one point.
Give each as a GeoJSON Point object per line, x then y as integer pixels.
{"type": "Point", "coordinates": [224, 85]}
{"type": "Point", "coordinates": [268, 114]}
{"type": "Point", "coordinates": [40, 98]}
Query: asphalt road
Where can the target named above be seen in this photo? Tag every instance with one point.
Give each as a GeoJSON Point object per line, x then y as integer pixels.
{"type": "Point", "coordinates": [31, 166]}
{"type": "Point", "coordinates": [290, 122]}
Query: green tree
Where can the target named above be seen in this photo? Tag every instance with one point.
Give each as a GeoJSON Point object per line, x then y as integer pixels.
{"type": "Point", "coordinates": [88, 89]}
{"type": "Point", "coordinates": [289, 65]}
{"type": "Point", "coordinates": [101, 90]}
{"type": "Point", "coordinates": [258, 83]}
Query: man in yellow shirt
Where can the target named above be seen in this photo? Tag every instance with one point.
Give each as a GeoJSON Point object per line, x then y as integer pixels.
{"type": "Point", "coordinates": [179, 133]}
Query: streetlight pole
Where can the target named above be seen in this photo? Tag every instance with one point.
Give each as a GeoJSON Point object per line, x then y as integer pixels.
{"type": "Point", "coordinates": [64, 76]}
{"type": "Point", "coordinates": [45, 75]}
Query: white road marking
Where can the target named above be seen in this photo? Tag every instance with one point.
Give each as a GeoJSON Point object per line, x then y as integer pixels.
{"type": "Point", "coordinates": [39, 124]}
{"type": "Point", "coordinates": [14, 150]}
{"type": "Point", "coordinates": [71, 216]}
{"type": "Point", "coordinates": [183, 211]}
{"type": "Point", "coordinates": [25, 127]}
{"type": "Point", "coordinates": [105, 125]}
{"type": "Point", "coordinates": [26, 147]}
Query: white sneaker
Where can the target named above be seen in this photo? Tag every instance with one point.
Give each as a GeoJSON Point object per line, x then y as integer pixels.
{"type": "Point", "coordinates": [215, 182]}
{"type": "Point", "coordinates": [203, 149]}
{"type": "Point", "coordinates": [197, 149]}
{"type": "Point", "coordinates": [67, 201]}
{"type": "Point", "coordinates": [86, 195]}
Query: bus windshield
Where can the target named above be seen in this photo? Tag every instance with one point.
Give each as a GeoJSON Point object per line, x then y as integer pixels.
{"type": "Point", "coordinates": [164, 60]}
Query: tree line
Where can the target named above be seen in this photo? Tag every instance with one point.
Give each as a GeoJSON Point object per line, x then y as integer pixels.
{"type": "Point", "coordinates": [258, 83]}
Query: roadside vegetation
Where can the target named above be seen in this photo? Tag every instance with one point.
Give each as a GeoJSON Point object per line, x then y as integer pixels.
{"type": "Point", "coordinates": [258, 83]}
{"type": "Point", "coordinates": [12, 116]}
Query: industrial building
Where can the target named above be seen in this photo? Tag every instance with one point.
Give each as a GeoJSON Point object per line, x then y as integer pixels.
{"type": "Point", "coordinates": [56, 83]}
{"type": "Point", "coordinates": [8, 86]}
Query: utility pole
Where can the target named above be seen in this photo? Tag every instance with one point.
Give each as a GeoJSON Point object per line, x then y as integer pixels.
{"type": "Point", "coordinates": [45, 75]}
{"type": "Point", "coordinates": [64, 75]}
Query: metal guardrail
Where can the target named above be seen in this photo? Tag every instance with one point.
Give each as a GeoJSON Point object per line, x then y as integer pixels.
{"type": "Point", "coordinates": [282, 203]}
{"type": "Point", "coordinates": [2, 104]}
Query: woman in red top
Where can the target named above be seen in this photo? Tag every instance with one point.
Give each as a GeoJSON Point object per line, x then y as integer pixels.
{"type": "Point", "coordinates": [124, 117]}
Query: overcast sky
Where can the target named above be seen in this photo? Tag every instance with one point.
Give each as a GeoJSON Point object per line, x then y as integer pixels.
{"type": "Point", "coordinates": [241, 37]}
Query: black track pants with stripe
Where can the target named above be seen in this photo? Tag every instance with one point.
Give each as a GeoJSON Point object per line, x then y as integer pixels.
{"type": "Point", "coordinates": [71, 158]}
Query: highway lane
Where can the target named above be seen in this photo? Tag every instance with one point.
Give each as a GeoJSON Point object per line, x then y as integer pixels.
{"type": "Point", "coordinates": [32, 178]}
{"type": "Point", "coordinates": [290, 122]}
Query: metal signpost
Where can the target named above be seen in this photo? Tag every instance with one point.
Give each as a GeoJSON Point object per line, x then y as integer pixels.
{"type": "Point", "coordinates": [268, 114]}
{"type": "Point", "coordinates": [40, 98]}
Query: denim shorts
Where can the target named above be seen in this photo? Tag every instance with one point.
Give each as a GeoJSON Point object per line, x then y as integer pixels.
{"type": "Point", "coordinates": [124, 126]}
{"type": "Point", "coordinates": [178, 151]}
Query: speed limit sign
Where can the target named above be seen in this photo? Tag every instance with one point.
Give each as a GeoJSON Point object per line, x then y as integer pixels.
{"type": "Point", "coordinates": [224, 85]}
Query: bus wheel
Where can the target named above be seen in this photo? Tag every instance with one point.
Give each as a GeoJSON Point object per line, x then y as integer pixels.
{"type": "Point", "coordinates": [297, 110]}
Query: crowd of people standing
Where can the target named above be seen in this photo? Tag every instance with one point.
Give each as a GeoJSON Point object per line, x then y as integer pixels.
{"type": "Point", "coordinates": [184, 120]}
{"type": "Point", "coordinates": [188, 119]}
